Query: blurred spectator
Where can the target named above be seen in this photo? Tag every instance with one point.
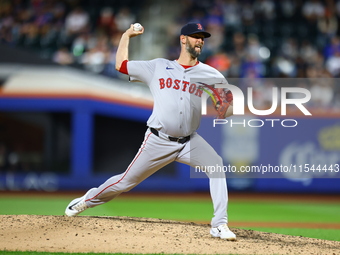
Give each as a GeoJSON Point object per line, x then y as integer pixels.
{"type": "Point", "coordinates": [44, 15]}
{"type": "Point", "coordinates": [5, 35]}
{"type": "Point", "coordinates": [173, 49]}
{"type": "Point", "coordinates": [216, 30]}
{"type": "Point", "coordinates": [264, 10]}
{"type": "Point", "coordinates": [239, 45]}
{"type": "Point", "coordinates": [308, 51]}
{"type": "Point", "coordinates": [288, 8]}
{"type": "Point", "coordinates": [322, 93]}
{"type": "Point", "coordinates": [81, 44]}
{"type": "Point", "coordinates": [235, 66]}
{"type": "Point", "coordinates": [59, 10]}
{"type": "Point", "coordinates": [215, 16]}
{"type": "Point", "coordinates": [253, 47]}
{"type": "Point", "coordinates": [124, 19]}
{"type": "Point", "coordinates": [332, 47]}
{"type": "Point", "coordinates": [313, 72]}
{"type": "Point", "coordinates": [63, 57]}
{"type": "Point", "coordinates": [96, 58]}
{"type": "Point", "coordinates": [333, 64]}
{"type": "Point", "coordinates": [337, 8]}
{"type": "Point", "coordinates": [247, 14]}
{"type": "Point", "coordinates": [110, 66]}
{"type": "Point", "coordinates": [107, 22]}
{"type": "Point", "coordinates": [327, 28]}
{"type": "Point", "coordinates": [289, 48]}
{"type": "Point", "coordinates": [328, 25]}
{"type": "Point", "coordinates": [313, 9]}
{"type": "Point", "coordinates": [220, 61]}
{"type": "Point", "coordinates": [76, 22]}
{"type": "Point", "coordinates": [301, 67]}
{"type": "Point", "coordinates": [252, 68]}
{"type": "Point", "coordinates": [232, 14]}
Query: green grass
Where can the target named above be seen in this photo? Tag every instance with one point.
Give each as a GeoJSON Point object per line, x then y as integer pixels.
{"type": "Point", "coordinates": [285, 212]}
{"type": "Point", "coordinates": [198, 210]}
{"type": "Point", "coordinates": [178, 209]}
{"type": "Point", "coordinates": [174, 209]}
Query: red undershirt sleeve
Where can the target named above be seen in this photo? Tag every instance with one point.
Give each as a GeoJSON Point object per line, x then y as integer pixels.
{"type": "Point", "coordinates": [123, 67]}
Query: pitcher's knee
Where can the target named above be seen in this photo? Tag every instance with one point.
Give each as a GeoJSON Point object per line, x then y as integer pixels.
{"type": "Point", "coordinates": [216, 161]}
{"type": "Point", "coordinates": [127, 185]}
{"type": "Point", "coordinates": [219, 161]}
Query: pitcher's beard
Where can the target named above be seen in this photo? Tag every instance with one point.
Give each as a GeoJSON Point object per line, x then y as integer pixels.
{"type": "Point", "coordinates": [191, 50]}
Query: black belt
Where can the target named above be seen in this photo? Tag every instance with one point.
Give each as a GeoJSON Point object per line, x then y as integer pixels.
{"type": "Point", "coordinates": [173, 139]}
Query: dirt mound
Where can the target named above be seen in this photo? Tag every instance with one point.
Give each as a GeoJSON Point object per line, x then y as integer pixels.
{"type": "Point", "coordinates": [143, 235]}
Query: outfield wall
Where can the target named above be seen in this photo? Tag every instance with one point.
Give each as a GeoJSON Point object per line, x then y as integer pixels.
{"type": "Point", "coordinates": [314, 141]}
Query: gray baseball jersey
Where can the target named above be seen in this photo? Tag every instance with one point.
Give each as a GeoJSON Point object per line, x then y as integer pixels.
{"type": "Point", "coordinates": [176, 114]}
{"type": "Point", "coordinates": [177, 102]}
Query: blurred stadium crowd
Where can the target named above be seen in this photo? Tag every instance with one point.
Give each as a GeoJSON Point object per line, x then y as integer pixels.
{"type": "Point", "coordinates": [81, 33]}
{"type": "Point", "coordinates": [250, 38]}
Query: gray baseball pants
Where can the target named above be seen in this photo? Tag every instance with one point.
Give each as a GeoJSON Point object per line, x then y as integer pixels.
{"type": "Point", "coordinates": [156, 152]}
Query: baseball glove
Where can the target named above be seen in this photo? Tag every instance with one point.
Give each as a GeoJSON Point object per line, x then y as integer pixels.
{"type": "Point", "coordinates": [223, 100]}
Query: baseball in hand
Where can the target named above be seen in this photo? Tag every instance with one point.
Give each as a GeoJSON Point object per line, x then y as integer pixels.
{"type": "Point", "coordinates": [137, 27]}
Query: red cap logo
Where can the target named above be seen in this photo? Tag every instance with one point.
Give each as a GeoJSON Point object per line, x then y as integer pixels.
{"type": "Point", "coordinates": [199, 26]}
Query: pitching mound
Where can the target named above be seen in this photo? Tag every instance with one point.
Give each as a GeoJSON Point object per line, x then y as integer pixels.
{"type": "Point", "coordinates": [142, 235]}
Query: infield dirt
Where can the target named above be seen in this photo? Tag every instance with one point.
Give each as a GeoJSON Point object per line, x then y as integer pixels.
{"type": "Point", "coordinates": [143, 235]}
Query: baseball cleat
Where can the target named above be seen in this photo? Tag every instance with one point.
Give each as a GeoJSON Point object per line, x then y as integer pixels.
{"type": "Point", "coordinates": [223, 232]}
{"type": "Point", "coordinates": [77, 206]}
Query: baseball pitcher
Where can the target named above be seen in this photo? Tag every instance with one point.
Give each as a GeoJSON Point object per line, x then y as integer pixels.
{"type": "Point", "coordinates": [171, 134]}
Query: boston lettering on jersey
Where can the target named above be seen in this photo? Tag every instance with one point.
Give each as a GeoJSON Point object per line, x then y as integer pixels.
{"type": "Point", "coordinates": [180, 84]}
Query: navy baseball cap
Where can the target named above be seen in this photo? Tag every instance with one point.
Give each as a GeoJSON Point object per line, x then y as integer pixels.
{"type": "Point", "coordinates": [194, 28]}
